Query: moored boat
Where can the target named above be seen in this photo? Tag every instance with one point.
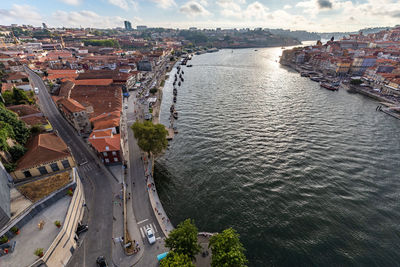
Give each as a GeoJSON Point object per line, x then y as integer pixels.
{"type": "Point", "coordinates": [329, 86]}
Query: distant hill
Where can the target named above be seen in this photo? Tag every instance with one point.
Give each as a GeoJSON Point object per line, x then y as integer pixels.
{"type": "Point", "coordinates": [299, 35]}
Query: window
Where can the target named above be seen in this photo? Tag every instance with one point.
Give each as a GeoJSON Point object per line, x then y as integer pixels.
{"type": "Point", "coordinates": [105, 154]}
{"type": "Point", "coordinates": [65, 163]}
{"type": "Point", "coordinates": [27, 174]}
{"type": "Point", "coordinates": [107, 161]}
{"type": "Point", "coordinates": [107, 148]}
{"type": "Point", "coordinates": [114, 153]}
{"type": "Point", "coordinates": [54, 167]}
{"type": "Point", "coordinates": [42, 170]}
{"type": "Point", "coordinates": [115, 159]}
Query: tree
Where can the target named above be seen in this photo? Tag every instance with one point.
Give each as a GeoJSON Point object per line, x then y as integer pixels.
{"type": "Point", "coordinates": [183, 239]}
{"type": "Point", "coordinates": [152, 138]}
{"type": "Point", "coordinates": [17, 151]}
{"type": "Point", "coordinates": [176, 260]}
{"type": "Point", "coordinates": [227, 250]}
{"type": "Point", "coordinates": [356, 82]}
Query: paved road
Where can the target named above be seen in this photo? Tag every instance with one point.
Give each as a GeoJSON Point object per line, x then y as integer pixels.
{"type": "Point", "coordinates": [97, 183]}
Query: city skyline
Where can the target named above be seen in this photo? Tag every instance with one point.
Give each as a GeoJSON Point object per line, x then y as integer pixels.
{"type": "Point", "coordinates": [310, 15]}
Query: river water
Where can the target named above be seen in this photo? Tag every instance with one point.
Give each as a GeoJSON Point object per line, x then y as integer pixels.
{"type": "Point", "coordinates": [308, 177]}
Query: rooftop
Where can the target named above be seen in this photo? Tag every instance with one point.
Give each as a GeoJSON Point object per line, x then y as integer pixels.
{"type": "Point", "coordinates": [106, 144]}
{"type": "Point", "coordinates": [43, 148]}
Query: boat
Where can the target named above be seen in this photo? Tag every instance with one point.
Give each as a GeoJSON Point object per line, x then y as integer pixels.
{"type": "Point", "coordinates": [255, 49]}
{"type": "Point", "coordinates": [182, 79]}
{"type": "Point", "coordinates": [179, 84]}
{"type": "Point", "coordinates": [329, 86]}
{"type": "Point", "coordinates": [172, 108]}
{"type": "Point", "coordinates": [175, 129]}
{"type": "Point", "coordinates": [174, 83]}
{"type": "Point", "coordinates": [189, 66]}
{"type": "Point", "coordinates": [175, 115]}
{"type": "Point", "coordinates": [316, 78]}
{"type": "Point", "coordinates": [174, 99]}
{"type": "Point", "coordinates": [304, 74]}
{"type": "Point", "coordinates": [183, 72]}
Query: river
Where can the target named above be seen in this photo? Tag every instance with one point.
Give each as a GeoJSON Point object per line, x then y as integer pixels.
{"type": "Point", "coordinates": [308, 177]}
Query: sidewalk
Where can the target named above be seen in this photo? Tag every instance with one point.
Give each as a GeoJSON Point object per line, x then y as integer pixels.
{"type": "Point", "coordinates": [119, 257]}
{"type": "Point", "coordinates": [159, 212]}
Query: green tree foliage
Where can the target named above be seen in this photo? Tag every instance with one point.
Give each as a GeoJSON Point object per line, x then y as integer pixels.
{"type": "Point", "coordinates": [17, 151]}
{"type": "Point", "coordinates": [10, 167]}
{"type": "Point", "coordinates": [151, 137]}
{"type": "Point", "coordinates": [176, 260]}
{"type": "Point", "coordinates": [194, 37]}
{"type": "Point", "coordinates": [17, 97]}
{"type": "Point", "coordinates": [356, 82]}
{"type": "Point", "coordinates": [6, 132]}
{"type": "Point", "coordinates": [21, 132]}
{"type": "Point", "coordinates": [154, 90]}
{"type": "Point", "coordinates": [227, 250]}
{"type": "Point", "coordinates": [183, 239]}
{"type": "Point", "coordinates": [107, 43]}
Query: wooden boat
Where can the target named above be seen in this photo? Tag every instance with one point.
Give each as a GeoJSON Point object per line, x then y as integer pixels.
{"type": "Point", "coordinates": [329, 86]}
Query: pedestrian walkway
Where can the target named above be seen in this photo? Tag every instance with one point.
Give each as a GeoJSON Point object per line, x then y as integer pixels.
{"type": "Point", "coordinates": [119, 256]}
{"type": "Point", "coordinates": [159, 212]}
{"type": "Point", "coordinates": [87, 167]}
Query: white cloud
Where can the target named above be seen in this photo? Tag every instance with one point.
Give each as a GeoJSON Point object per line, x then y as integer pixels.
{"type": "Point", "coordinates": [71, 2]}
{"type": "Point", "coordinates": [287, 7]}
{"type": "Point", "coordinates": [123, 4]}
{"type": "Point", "coordinates": [164, 3]}
{"type": "Point", "coordinates": [193, 9]}
{"type": "Point", "coordinates": [20, 14]}
{"type": "Point", "coordinates": [85, 18]}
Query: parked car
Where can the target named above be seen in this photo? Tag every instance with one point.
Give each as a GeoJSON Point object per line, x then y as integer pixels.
{"type": "Point", "coordinates": [36, 90]}
{"type": "Point", "coordinates": [150, 236]}
{"type": "Point", "coordinates": [82, 228]}
{"type": "Point", "coordinates": [101, 261]}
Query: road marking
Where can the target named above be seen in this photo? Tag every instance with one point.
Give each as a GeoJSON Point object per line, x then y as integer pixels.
{"type": "Point", "coordinates": [142, 221]}
{"type": "Point", "coordinates": [155, 228]}
{"type": "Point", "coordinates": [141, 231]}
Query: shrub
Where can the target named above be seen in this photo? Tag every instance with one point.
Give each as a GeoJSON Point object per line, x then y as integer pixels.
{"type": "Point", "coordinates": [57, 223]}
{"type": "Point", "coordinates": [70, 192]}
{"type": "Point", "coordinates": [153, 90]}
{"type": "Point", "coordinates": [15, 229]}
{"type": "Point", "coordinates": [39, 252]}
{"type": "Point", "coordinates": [3, 239]}
{"type": "Point", "coordinates": [10, 167]}
{"type": "Point", "coordinates": [17, 151]}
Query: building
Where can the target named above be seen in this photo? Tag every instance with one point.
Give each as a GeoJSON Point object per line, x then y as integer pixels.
{"type": "Point", "coordinates": [144, 65]}
{"type": "Point", "coordinates": [141, 27]}
{"type": "Point", "coordinates": [46, 153]}
{"type": "Point", "coordinates": [5, 213]}
{"type": "Point", "coordinates": [128, 25]}
{"type": "Point", "coordinates": [75, 114]}
{"type": "Point", "coordinates": [31, 116]}
{"type": "Point", "coordinates": [107, 146]}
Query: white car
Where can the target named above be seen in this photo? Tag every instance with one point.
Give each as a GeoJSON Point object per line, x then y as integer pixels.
{"type": "Point", "coordinates": [36, 90]}
{"type": "Point", "coordinates": [150, 236]}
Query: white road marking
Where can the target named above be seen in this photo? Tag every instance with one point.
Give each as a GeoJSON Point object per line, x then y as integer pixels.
{"type": "Point", "coordinates": [142, 221]}
{"type": "Point", "coordinates": [141, 231]}
{"type": "Point", "coordinates": [154, 228]}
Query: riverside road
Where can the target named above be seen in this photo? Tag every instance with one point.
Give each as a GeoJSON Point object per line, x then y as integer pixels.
{"type": "Point", "coordinates": [96, 181]}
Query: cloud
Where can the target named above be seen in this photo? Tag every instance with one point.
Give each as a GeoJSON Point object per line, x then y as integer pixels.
{"type": "Point", "coordinates": [85, 18]}
{"type": "Point", "coordinates": [20, 14]}
{"type": "Point", "coordinates": [193, 9]}
{"type": "Point", "coordinates": [164, 3]}
{"type": "Point", "coordinates": [287, 7]}
{"type": "Point", "coordinates": [123, 4]}
{"type": "Point", "coordinates": [71, 2]}
{"type": "Point", "coordinates": [324, 4]}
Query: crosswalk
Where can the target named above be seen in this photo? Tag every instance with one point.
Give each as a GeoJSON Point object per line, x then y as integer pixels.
{"type": "Point", "coordinates": [87, 167]}
{"type": "Point", "coordinates": [143, 229]}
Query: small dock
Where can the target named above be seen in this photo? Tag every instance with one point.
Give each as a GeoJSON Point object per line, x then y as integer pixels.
{"type": "Point", "coordinates": [171, 133]}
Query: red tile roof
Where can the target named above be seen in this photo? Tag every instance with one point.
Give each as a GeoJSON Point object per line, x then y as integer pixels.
{"type": "Point", "coordinates": [106, 144]}
{"type": "Point", "coordinates": [101, 134]}
{"type": "Point", "coordinates": [24, 110]}
{"type": "Point", "coordinates": [43, 148]}
{"type": "Point", "coordinates": [94, 82]}
{"type": "Point", "coordinates": [35, 120]}
{"type": "Point", "coordinates": [106, 120]}
{"type": "Point", "coordinates": [71, 105]}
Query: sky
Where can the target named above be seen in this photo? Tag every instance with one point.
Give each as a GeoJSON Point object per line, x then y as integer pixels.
{"type": "Point", "coordinates": [310, 15]}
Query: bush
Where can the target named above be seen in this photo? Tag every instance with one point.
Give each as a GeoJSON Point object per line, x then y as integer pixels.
{"type": "Point", "coordinates": [14, 229]}
{"type": "Point", "coordinates": [3, 239]}
{"type": "Point", "coordinates": [17, 151]}
{"type": "Point", "coordinates": [356, 82]}
{"type": "Point", "coordinates": [10, 167]}
{"type": "Point", "coordinates": [57, 223]}
{"type": "Point", "coordinates": [39, 252]}
{"type": "Point", "coordinates": [153, 90]}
